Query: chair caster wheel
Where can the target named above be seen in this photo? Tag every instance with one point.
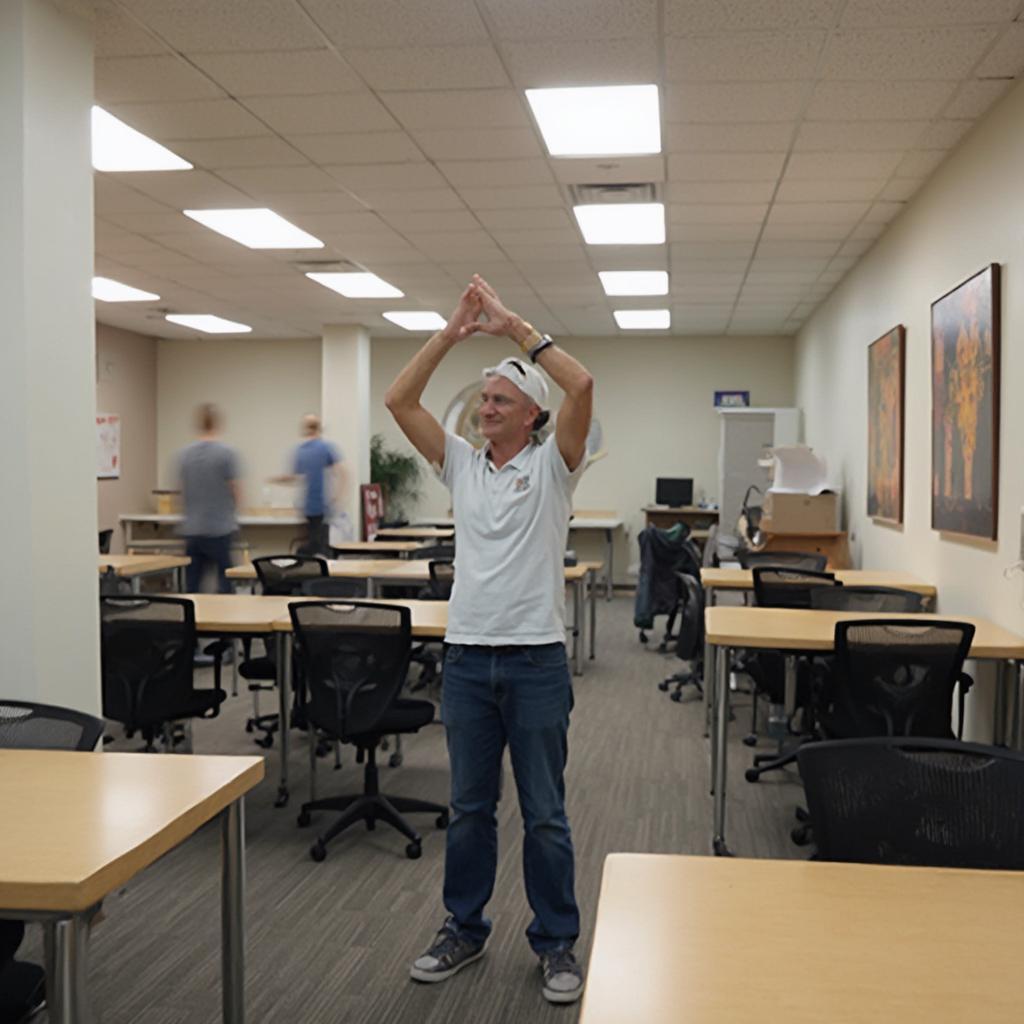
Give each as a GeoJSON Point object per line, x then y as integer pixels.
{"type": "Point", "coordinates": [677, 696]}
{"type": "Point", "coordinates": [414, 851]}
{"type": "Point", "coordinates": [442, 820]}
{"type": "Point", "coordinates": [663, 686]}
{"type": "Point", "coordinates": [303, 819]}
{"type": "Point", "coordinates": [318, 851]}
{"type": "Point", "coordinates": [395, 760]}
{"type": "Point", "coordinates": [266, 742]}
{"type": "Point", "coordinates": [801, 835]}
{"type": "Point", "coordinates": [752, 775]}
{"type": "Point", "coordinates": [750, 740]}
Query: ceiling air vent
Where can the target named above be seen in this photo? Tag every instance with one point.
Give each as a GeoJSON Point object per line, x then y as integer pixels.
{"type": "Point", "coordinates": [593, 195]}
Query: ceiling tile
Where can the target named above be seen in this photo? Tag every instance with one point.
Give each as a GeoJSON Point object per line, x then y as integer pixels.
{"type": "Point", "coordinates": [479, 144]}
{"type": "Point", "coordinates": [333, 200]}
{"type": "Point", "coordinates": [457, 245]}
{"type": "Point", "coordinates": [761, 57]}
{"type": "Point", "coordinates": [872, 13]}
{"type": "Point", "coordinates": [743, 102]}
{"type": "Point", "coordinates": [187, 189]}
{"type": "Point", "coordinates": [549, 63]}
{"type": "Point", "coordinates": [143, 79]}
{"type": "Point", "coordinates": [118, 35]}
{"type": "Point", "coordinates": [573, 19]}
{"type": "Point", "coordinates": [719, 192]}
{"type": "Point", "coordinates": [539, 237]}
{"type": "Point", "coordinates": [725, 166]}
{"type": "Point", "coordinates": [262, 181]}
{"type": "Point", "coordinates": [430, 67]}
{"type": "Point", "coordinates": [113, 196]}
{"type": "Point", "coordinates": [974, 98]}
{"type": "Point", "coordinates": [502, 275]}
{"type": "Point", "coordinates": [522, 217]}
{"type": "Point", "coordinates": [197, 26]}
{"type": "Point", "coordinates": [358, 148]}
{"type": "Point", "coordinates": [901, 189]}
{"type": "Point", "coordinates": [256, 152]}
{"type": "Point", "coordinates": [892, 54]}
{"type": "Point", "coordinates": [152, 223]}
{"type": "Point", "coordinates": [883, 212]}
{"type": "Point", "coordinates": [357, 223]}
{"type": "Point", "coordinates": [368, 23]}
{"type": "Point", "coordinates": [280, 72]}
{"type": "Point", "coordinates": [863, 101]}
{"type": "Point", "coordinates": [425, 111]}
{"type": "Point", "coordinates": [387, 176]}
{"type": "Point", "coordinates": [685, 16]}
{"type": "Point", "coordinates": [828, 190]}
{"type": "Point", "coordinates": [388, 200]}
{"type": "Point", "coordinates": [716, 213]}
{"type": "Point", "coordinates": [496, 172]}
{"type": "Point", "coordinates": [857, 136]}
{"type": "Point", "coordinates": [628, 257]}
{"type": "Point", "coordinates": [311, 115]}
{"type": "Point", "coordinates": [1006, 58]}
{"type": "Point", "coordinates": [793, 254]}
{"type": "Point", "coordinates": [419, 221]}
{"type": "Point", "coordinates": [920, 163]}
{"type": "Point", "coordinates": [804, 166]}
{"type": "Point", "coordinates": [835, 213]}
{"type": "Point", "coordinates": [944, 134]}
{"type": "Point", "coordinates": [512, 197]}
{"type": "Point", "coordinates": [770, 137]}
{"type": "Point", "coordinates": [810, 230]}
{"type": "Point", "coordinates": [617, 170]}
{"type": "Point", "coordinates": [191, 119]}
{"type": "Point", "coordinates": [713, 232]}
{"type": "Point", "coordinates": [709, 251]}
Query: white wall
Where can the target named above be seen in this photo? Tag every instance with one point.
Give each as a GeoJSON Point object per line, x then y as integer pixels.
{"type": "Point", "coordinates": [970, 214]}
{"type": "Point", "coordinates": [263, 388]}
{"type": "Point", "coordinates": [654, 398]}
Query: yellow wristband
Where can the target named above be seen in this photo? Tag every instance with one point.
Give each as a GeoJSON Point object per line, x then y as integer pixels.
{"type": "Point", "coordinates": [529, 341]}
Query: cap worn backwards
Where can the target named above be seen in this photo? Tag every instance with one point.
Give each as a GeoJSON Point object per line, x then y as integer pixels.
{"type": "Point", "coordinates": [524, 376]}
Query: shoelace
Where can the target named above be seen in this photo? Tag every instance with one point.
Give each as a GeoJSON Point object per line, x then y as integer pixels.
{"type": "Point", "coordinates": [560, 961]}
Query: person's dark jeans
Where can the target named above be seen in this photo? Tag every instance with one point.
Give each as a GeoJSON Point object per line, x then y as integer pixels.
{"type": "Point", "coordinates": [204, 552]}
{"type": "Point", "coordinates": [316, 537]}
{"type": "Point", "coordinates": [521, 696]}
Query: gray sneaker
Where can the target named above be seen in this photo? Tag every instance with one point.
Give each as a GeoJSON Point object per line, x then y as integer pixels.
{"type": "Point", "coordinates": [563, 977]}
{"type": "Point", "coordinates": [449, 953]}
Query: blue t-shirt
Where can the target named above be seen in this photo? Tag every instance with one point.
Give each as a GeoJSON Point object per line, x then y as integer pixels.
{"type": "Point", "coordinates": [312, 459]}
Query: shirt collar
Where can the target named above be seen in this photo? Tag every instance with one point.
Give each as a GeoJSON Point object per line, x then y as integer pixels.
{"type": "Point", "coordinates": [516, 462]}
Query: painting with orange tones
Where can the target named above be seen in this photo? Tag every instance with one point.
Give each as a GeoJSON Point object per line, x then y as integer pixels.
{"type": "Point", "coordinates": [885, 427]}
{"type": "Point", "coordinates": [965, 407]}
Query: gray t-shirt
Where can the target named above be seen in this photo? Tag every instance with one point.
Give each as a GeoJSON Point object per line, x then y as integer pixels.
{"type": "Point", "coordinates": [206, 469]}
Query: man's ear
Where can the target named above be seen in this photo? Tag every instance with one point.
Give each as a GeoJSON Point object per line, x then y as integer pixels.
{"type": "Point", "coordinates": [541, 421]}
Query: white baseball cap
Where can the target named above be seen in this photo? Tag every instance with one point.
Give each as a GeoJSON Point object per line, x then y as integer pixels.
{"type": "Point", "coordinates": [525, 377]}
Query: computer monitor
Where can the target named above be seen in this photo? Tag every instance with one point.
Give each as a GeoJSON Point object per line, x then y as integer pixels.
{"type": "Point", "coordinates": [674, 491]}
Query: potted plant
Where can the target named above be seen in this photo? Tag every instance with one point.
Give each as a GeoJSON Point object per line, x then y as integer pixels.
{"type": "Point", "coordinates": [399, 476]}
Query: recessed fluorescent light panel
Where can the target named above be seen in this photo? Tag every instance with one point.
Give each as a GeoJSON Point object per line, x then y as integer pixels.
{"type": "Point", "coordinates": [622, 223]}
{"type": "Point", "coordinates": [357, 286]}
{"type": "Point", "coordinates": [107, 290]}
{"type": "Point", "coordinates": [117, 147]}
{"type": "Point", "coordinates": [642, 319]}
{"type": "Point", "coordinates": [634, 282]}
{"type": "Point", "coordinates": [416, 320]}
{"type": "Point", "coordinates": [607, 120]}
{"type": "Point", "coordinates": [256, 228]}
{"type": "Point", "coordinates": [208, 323]}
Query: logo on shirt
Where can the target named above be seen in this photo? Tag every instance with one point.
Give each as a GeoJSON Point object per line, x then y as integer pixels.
{"type": "Point", "coordinates": [522, 483]}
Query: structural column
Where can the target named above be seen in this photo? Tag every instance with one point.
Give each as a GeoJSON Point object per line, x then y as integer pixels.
{"type": "Point", "coordinates": [345, 406]}
{"type": "Point", "coordinates": [48, 606]}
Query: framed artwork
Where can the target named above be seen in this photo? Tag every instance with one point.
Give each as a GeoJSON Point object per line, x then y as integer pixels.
{"type": "Point", "coordinates": [372, 496]}
{"type": "Point", "coordinates": [965, 407]}
{"type": "Point", "coordinates": [732, 399]}
{"type": "Point", "coordinates": [108, 446]}
{"type": "Point", "coordinates": [886, 368]}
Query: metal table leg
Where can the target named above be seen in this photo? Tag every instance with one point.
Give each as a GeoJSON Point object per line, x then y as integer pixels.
{"type": "Point", "coordinates": [999, 707]}
{"type": "Point", "coordinates": [708, 667]}
{"type": "Point", "coordinates": [66, 941]}
{"type": "Point", "coordinates": [609, 543]}
{"type": "Point", "coordinates": [232, 911]}
{"type": "Point", "coordinates": [283, 645]}
{"type": "Point", "coordinates": [592, 601]}
{"type": "Point", "coordinates": [718, 843]}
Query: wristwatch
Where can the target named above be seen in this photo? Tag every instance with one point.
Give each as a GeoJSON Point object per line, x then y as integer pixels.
{"type": "Point", "coordinates": [536, 349]}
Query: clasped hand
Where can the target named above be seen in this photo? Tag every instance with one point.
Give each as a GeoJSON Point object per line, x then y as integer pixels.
{"type": "Point", "coordinates": [479, 309]}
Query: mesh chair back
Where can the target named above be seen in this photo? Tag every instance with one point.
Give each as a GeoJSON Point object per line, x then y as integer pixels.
{"type": "Point", "coordinates": [285, 574]}
{"type": "Point", "coordinates": [709, 556]}
{"type": "Point", "coordinates": [355, 656]}
{"type": "Point", "coordinates": [442, 578]}
{"type": "Point", "coordinates": [104, 539]}
{"type": "Point", "coordinates": [147, 644]}
{"type": "Point", "coordinates": [934, 803]}
{"type": "Point", "coordinates": [690, 640]}
{"type": "Point", "coordinates": [112, 584]}
{"type": "Point", "coordinates": [25, 726]}
{"type": "Point", "coordinates": [896, 677]}
{"type": "Point", "coordinates": [789, 559]}
{"type": "Point", "coordinates": [775, 587]}
{"type": "Point", "coordinates": [866, 599]}
{"type": "Point", "coordinates": [435, 551]}
{"type": "Point", "coordinates": [333, 586]}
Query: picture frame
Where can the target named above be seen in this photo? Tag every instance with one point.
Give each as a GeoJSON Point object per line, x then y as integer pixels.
{"type": "Point", "coordinates": [886, 426]}
{"type": "Point", "coordinates": [732, 399]}
{"type": "Point", "coordinates": [372, 499]}
{"type": "Point", "coordinates": [965, 347]}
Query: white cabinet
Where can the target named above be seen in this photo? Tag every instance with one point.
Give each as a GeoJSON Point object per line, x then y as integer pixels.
{"type": "Point", "coordinates": [746, 435]}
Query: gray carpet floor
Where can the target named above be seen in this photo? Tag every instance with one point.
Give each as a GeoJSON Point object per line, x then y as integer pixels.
{"type": "Point", "coordinates": [331, 942]}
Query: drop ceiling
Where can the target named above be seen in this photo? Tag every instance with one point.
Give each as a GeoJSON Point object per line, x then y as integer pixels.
{"type": "Point", "coordinates": [397, 131]}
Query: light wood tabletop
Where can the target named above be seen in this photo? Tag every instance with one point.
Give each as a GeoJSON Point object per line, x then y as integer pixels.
{"type": "Point", "coordinates": [354, 568]}
{"type": "Point", "coordinates": [77, 826]}
{"type": "Point", "coordinates": [379, 546]}
{"type": "Point", "coordinates": [416, 532]}
{"type": "Point", "coordinates": [429, 618]}
{"type": "Point", "coordinates": [696, 940]}
{"type": "Point", "coordinates": [743, 579]}
{"type": "Point", "coordinates": [801, 630]}
{"type": "Point", "coordinates": [139, 565]}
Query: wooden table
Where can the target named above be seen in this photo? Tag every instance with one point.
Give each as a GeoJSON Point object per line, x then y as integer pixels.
{"type": "Point", "coordinates": [858, 943]}
{"type": "Point", "coordinates": [608, 525]}
{"type": "Point", "coordinates": [415, 533]}
{"type": "Point", "coordinates": [78, 826]}
{"type": "Point", "coordinates": [132, 522]}
{"type": "Point", "coordinates": [375, 548]}
{"type": "Point", "coordinates": [665, 517]}
{"type": "Point", "coordinates": [251, 615]}
{"type": "Point", "coordinates": [793, 630]}
{"type": "Point", "coordinates": [134, 567]}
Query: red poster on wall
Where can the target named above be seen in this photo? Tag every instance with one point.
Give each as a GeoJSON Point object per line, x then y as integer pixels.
{"type": "Point", "coordinates": [373, 509]}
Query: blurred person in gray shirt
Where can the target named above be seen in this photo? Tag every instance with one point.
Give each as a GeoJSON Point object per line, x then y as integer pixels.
{"type": "Point", "coordinates": [208, 471]}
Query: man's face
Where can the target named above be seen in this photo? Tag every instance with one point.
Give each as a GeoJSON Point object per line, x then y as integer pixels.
{"type": "Point", "coordinates": [505, 412]}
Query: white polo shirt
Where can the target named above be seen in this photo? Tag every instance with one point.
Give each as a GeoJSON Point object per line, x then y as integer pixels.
{"type": "Point", "coordinates": [511, 526]}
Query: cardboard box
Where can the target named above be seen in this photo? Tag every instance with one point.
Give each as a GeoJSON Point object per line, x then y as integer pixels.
{"type": "Point", "coordinates": [800, 513]}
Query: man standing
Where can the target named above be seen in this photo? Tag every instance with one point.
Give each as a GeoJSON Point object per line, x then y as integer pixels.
{"type": "Point", "coordinates": [506, 674]}
{"type": "Point", "coordinates": [317, 464]}
{"type": "Point", "coordinates": [208, 470]}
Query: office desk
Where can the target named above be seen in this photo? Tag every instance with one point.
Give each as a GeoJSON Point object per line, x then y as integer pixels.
{"type": "Point", "coordinates": [132, 521]}
{"type": "Point", "coordinates": [608, 525]}
{"type": "Point", "coordinates": [251, 615]}
{"type": "Point", "coordinates": [378, 548]}
{"type": "Point", "coordinates": [78, 826]}
{"type": "Point", "coordinates": [445, 521]}
{"type": "Point", "coordinates": [853, 943]}
{"type": "Point", "coordinates": [793, 630]}
{"type": "Point", "coordinates": [665, 517]}
{"type": "Point", "coordinates": [134, 567]}
{"type": "Point", "coordinates": [421, 533]}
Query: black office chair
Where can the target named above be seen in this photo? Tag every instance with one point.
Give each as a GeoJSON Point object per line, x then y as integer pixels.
{"type": "Point", "coordinates": [333, 586]}
{"type": "Point", "coordinates": [355, 656]}
{"type": "Point", "coordinates": [785, 587]}
{"type": "Point", "coordinates": [426, 655]}
{"type": "Point", "coordinates": [890, 600]}
{"type": "Point", "coordinates": [281, 575]}
{"type": "Point", "coordinates": [105, 536]}
{"type": "Point", "coordinates": [442, 579]}
{"type": "Point", "coordinates": [431, 552]}
{"type": "Point", "coordinates": [29, 726]}
{"type": "Point", "coordinates": [147, 644]}
{"type": "Point", "coordinates": [111, 584]}
{"type": "Point", "coordinates": [690, 639]}
{"type": "Point", "coordinates": [915, 801]}
{"type": "Point", "coordinates": [787, 559]}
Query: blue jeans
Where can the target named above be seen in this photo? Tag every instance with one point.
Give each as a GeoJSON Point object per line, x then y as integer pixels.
{"type": "Point", "coordinates": [520, 696]}
{"type": "Point", "coordinates": [204, 551]}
